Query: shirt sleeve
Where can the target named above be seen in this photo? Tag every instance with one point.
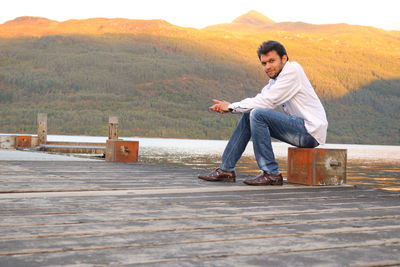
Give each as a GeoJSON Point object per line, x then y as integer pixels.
{"type": "Point", "coordinates": [286, 86]}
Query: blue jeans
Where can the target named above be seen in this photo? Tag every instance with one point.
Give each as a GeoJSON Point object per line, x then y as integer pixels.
{"type": "Point", "coordinates": [261, 125]}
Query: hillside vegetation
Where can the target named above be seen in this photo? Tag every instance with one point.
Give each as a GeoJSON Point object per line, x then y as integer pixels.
{"type": "Point", "coordinates": [159, 78]}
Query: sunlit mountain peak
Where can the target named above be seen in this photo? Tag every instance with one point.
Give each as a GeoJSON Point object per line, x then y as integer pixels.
{"type": "Point", "coordinates": [254, 18]}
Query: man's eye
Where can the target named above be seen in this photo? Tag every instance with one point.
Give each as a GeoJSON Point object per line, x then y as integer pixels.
{"type": "Point", "coordinates": [263, 63]}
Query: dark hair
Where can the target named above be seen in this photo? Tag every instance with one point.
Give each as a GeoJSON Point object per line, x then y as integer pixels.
{"type": "Point", "coordinates": [266, 47]}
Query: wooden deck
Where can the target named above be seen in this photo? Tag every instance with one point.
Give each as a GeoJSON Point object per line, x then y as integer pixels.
{"type": "Point", "coordinates": [115, 214]}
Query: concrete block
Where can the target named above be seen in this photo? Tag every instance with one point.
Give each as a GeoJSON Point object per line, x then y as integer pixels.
{"type": "Point", "coordinates": [7, 142]}
{"type": "Point", "coordinates": [317, 166]}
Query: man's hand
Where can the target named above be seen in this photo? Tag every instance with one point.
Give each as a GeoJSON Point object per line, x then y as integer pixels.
{"type": "Point", "coordinates": [220, 106]}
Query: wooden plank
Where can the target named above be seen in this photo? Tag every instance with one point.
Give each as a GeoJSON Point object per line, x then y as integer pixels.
{"type": "Point", "coordinates": [113, 127]}
{"type": "Point", "coordinates": [42, 128]}
{"type": "Point", "coordinates": [79, 149]}
{"type": "Point", "coordinates": [206, 251]}
{"type": "Point", "coordinates": [367, 255]}
{"type": "Point", "coordinates": [63, 176]}
{"type": "Point", "coordinates": [46, 244]}
{"type": "Point", "coordinates": [278, 225]}
{"type": "Point", "coordinates": [97, 213]}
{"type": "Point", "coordinates": [75, 143]}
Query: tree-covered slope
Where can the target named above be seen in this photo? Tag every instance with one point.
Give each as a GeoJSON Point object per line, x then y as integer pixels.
{"type": "Point", "coordinates": [159, 78]}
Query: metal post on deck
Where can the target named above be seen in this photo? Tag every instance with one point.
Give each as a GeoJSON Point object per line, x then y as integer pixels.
{"type": "Point", "coordinates": [113, 127]}
{"type": "Point", "coordinates": [42, 128]}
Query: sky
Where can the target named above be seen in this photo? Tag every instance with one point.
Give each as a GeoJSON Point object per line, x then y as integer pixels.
{"type": "Point", "coordinates": [382, 14]}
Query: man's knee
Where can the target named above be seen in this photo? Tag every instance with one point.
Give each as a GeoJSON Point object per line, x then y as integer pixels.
{"type": "Point", "coordinates": [260, 113]}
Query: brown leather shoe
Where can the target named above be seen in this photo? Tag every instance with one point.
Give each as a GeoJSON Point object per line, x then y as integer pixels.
{"type": "Point", "coordinates": [219, 175]}
{"type": "Point", "coordinates": [265, 179]}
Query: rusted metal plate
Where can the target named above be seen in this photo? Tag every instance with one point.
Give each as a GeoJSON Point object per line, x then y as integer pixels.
{"type": "Point", "coordinates": [317, 166]}
{"type": "Point", "coordinates": [24, 141]}
{"type": "Point", "coordinates": [122, 151]}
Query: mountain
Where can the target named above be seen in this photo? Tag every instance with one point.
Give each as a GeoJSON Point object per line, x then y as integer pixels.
{"type": "Point", "coordinates": [159, 78]}
{"type": "Point", "coordinates": [250, 21]}
{"type": "Point", "coordinates": [36, 26]}
{"type": "Point", "coordinates": [253, 18]}
{"type": "Point", "coordinates": [30, 21]}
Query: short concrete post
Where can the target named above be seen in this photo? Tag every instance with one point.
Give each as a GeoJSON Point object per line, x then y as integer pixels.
{"type": "Point", "coordinates": [42, 128]}
{"type": "Point", "coordinates": [113, 127]}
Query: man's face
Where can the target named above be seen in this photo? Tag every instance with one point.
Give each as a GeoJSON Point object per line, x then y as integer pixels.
{"type": "Point", "coordinates": [273, 63]}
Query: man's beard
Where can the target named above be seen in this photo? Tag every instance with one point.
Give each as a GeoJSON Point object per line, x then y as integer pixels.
{"type": "Point", "coordinates": [275, 76]}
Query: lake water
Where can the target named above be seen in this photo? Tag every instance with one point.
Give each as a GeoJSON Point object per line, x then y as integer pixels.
{"type": "Point", "coordinates": [368, 165]}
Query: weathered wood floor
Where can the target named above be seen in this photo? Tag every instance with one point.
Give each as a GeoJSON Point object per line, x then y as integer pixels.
{"type": "Point", "coordinates": [111, 214]}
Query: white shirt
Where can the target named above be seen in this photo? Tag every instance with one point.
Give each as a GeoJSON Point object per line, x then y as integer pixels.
{"type": "Point", "coordinates": [294, 93]}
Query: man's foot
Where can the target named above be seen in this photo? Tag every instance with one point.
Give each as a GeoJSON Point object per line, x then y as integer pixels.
{"type": "Point", "coordinates": [265, 179]}
{"type": "Point", "coordinates": [219, 175]}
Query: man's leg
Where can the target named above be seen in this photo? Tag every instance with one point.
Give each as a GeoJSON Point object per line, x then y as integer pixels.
{"type": "Point", "coordinates": [266, 123]}
{"type": "Point", "coordinates": [237, 144]}
{"type": "Point", "coordinates": [232, 153]}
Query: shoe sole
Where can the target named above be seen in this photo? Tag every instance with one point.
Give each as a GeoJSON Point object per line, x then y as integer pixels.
{"type": "Point", "coordinates": [225, 180]}
{"type": "Point", "coordinates": [280, 184]}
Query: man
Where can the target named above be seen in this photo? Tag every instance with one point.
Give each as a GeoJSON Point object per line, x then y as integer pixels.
{"type": "Point", "coordinates": [303, 123]}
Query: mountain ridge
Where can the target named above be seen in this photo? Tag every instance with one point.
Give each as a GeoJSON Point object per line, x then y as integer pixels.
{"type": "Point", "coordinates": [29, 19]}
{"type": "Point", "coordinates": [250, 21]}
{"type": "Point", "coordinates": [37, 26]}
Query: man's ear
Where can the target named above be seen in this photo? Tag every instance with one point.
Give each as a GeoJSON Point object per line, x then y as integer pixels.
{"type": "Point", "coordinates": [284, 58]}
